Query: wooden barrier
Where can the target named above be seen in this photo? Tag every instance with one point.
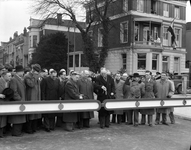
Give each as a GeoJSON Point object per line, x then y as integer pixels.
{"type": "Point", "coordinates": [56, 106]}
{"type": "Point", "coordinates": [59, 106]}
{"type": "Point", "coordinates": [112, 104]}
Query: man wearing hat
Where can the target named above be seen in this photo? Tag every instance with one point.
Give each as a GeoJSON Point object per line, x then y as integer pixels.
{"type": "Point", "coordinates": [33, 93]}
{"type": "Point", "coordinates": [50, 91]}
{"type": "Point", "coordinates": [4, 83]}
{"type": "Point", "coordinates": [137, 90]}
{"type": "Point", "coordinates": [71, 93]}
{"type": "Point", "coordinates": [18, 86]}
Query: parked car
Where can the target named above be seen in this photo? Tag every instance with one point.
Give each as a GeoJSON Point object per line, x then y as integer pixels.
{"type": "Point", "coordinates": [177, 79]}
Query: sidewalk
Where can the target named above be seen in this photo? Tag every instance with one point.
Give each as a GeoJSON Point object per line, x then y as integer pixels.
{"type": "Point", "coordinates": [183, 112]}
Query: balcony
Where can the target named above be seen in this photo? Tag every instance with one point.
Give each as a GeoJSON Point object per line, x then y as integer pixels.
{"type": "Point", "coordinates": [148, 44]}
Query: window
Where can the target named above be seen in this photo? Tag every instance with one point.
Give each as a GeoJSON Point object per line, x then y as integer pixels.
{"type": "Point", "coordinates": [30, 43]}
{"type": "Point", "coordinates": [77, 60]}
{"type": "Point", "coordinates": [177, 12]}
{"type": "Point", "coordinates": [136, 32]}
{"type": "Point", "coordinates": [176, 64]}
{"type": "Point", "coordinates": [156, 33]}
{"type": "Point", "coordinates": [71, 61]}
{"type": "Point", "coordinates": [165, 10]}
{"type": "Point", "coordinates": [124, 32]}
{"type": "Point", "coordinates": [140, 4]}
{"type": "Point", "coordinates": [177, 35]}
{"type": "Point", "coordinates": [141, 61]}
{"type": "Point", "coordinates": [34, 40]}
{"type": "Point", "coordinates": [125, 5]}
{"type": "Point", "coordinates": [155, 62]}
{"type": "Point", "coordinates": [100, 37]}
{"type": "Point", "coordinates": [124, 60]}
{"type": "Point", "coordinates": [153, 7]}
{"type": "Point", "coordinates": [165, 36]}
{"type": "Point", "coordinates": [165, 63]}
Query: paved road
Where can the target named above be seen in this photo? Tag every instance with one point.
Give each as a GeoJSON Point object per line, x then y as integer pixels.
{"type": "Point", "coordinates": [117, 137]}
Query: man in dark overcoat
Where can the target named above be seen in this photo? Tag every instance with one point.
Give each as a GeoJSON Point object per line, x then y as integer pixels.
{"type": "Point", "coordinates": [32, 82]}
{"type": "Point", "coordinates": [71, 93]}
{"type": "Point", "coordinates": [50, 91]}
{"type": "Point", "coordinates": [106, 92]}
{"type": "Point", "coordinates": [18, 86]}
{"type": "Point", "coordinates": [86, 88]}
{"type": "Point", "coordinates": [4, 83]}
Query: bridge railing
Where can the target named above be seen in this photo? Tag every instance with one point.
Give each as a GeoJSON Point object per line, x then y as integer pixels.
{"type": "Point", "coordinates": [61, 106]}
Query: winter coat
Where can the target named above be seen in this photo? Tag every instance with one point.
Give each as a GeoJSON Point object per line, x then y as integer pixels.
{"type": "Point", "coordinates": [126, 89]}
{"type": "Point", "coordinates": [3, 119]}
{"type": "Point", "coordinates": [150, 92]}
{"type": "Point", "coordinates": [86, 87]}
{"type": "Point", "coordinates": [119, 93]}
{"type": "Point", "coordinates": [102, 95]}
{"type": "Point", "coordinates": [137, 90]}
{"type": "Point", "coordinates": [33, 92]}
{"type": "Point", "coordinates": [71, 93]}
{"type": "Point", "coordinates": [18, 86]}
{"type": "Point", "coordinates": [164, 89]}
{"type": "Point", "coordinates": [50, 91]}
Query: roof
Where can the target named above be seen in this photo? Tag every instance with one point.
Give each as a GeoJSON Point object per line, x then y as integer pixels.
{"type": "Point", "coordinates": [35, 23]}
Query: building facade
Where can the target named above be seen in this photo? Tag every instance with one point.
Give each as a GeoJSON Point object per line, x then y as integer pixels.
{"type": "Point", "coordinates": [39, 28]}
{"type": "Point", "coordinates": [15, 51]}
{"type": "Point", "coordinates": [188, 43]}
{"type": "Point", "coordinates": [139, 40]}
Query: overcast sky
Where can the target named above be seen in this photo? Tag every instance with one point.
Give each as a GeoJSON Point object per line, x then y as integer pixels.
{"type": "Point", "coordinates": [15, 15]}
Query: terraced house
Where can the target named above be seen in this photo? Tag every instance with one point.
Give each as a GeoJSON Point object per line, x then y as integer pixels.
{"type": "Point", "coordinates": [138, 37]}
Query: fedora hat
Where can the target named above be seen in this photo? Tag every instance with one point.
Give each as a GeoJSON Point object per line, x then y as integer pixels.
{"type": "Point", "coordinates": [36, 67]}
{"type": "Point", "coordinates": [9, 93]}
{"type": "Point", "coordinates": [19, 68]}
{"type": "Point", "coordinates": [135, 75]}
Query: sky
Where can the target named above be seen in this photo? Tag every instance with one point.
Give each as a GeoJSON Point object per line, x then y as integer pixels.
{"type": "Point", "coordinates": [15, 15]}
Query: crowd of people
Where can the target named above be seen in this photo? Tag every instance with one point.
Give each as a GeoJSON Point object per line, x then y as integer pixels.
{"type": "Point", "coordinates": [37, 84]}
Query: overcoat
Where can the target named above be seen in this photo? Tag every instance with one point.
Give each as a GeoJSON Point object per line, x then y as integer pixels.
{"type": "Point", "coordinates": [102, 95]}
{"type": "Point", "coordinates": [119, 93]}
{"type": "Point", "coordinates": [3, 119]}
{"type": "Point", "coordinates": [33, 92]}
{"type": "Point", "coordinates": [126, 89]}
{"type": "Point", "coordinates": [18, 86]}
{"type": "Point", "coordinates": [164, 89]}
{"type": "Point", "coordinates": [71, 93]}
{"type": "Point", "coordinates": [50, 91]}
{"type": "Point", "coordinates": [137, 90]}
{"type": "Point", "coordinates": [86, 88]}
{"type": "Point", "coordinates": [150, 92]}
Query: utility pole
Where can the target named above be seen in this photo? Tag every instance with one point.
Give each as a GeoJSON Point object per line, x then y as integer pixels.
{"type": "Point", "coordinates": [68, 70]}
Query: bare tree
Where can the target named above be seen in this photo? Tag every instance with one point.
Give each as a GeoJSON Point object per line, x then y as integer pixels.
{"type": "Point", "coordinates": [71, 8]}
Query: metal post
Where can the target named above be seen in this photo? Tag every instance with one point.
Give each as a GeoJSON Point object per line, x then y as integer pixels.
{"type": "Point", "coordinates": [74, 47]}
{"type": "Point", "coordinates": [68, 70]}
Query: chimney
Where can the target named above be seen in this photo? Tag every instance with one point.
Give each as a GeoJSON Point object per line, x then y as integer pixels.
{"type": "Point", "coordinates": [59, 19]}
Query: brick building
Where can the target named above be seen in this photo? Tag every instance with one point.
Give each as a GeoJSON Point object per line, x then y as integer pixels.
{"type": "Point", "coordinates": [139, 39]}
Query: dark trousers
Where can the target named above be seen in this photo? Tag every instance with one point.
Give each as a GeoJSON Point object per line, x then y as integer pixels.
{"type": "Point", "coordinates": [84, 123]}
{"type": "Point", "coordinates": [17, 129]}
{"type": "Point", "coordinates": [119, 118]}
{"type": "Point", "coordinates": [171, 116]}
{"type": "Point", "coordinates": [31, 126]}
{"type": "Point", "coordinates": [163, 117]}
{"type": "Point", "coordinates": [49, 122]}
{"type": "Point", "coordinates": [130, 114]}
{"type": "Point", "coordinates": [150, 119]}
{"type": "Point", "coordinates": [123, 119]}
{"type": "Point", "coordinates": [39, 123]}
{"type": "Point", "coordinates": [1, 132]}
{"type": "Point", "coordinates": [59, 121]}
{"type": "Point", "coordinates": [104, 120]}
